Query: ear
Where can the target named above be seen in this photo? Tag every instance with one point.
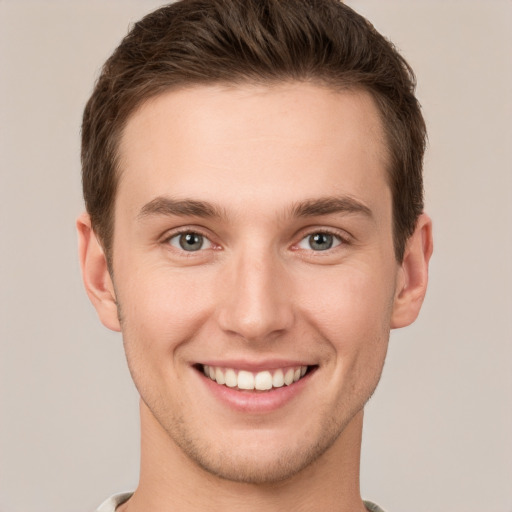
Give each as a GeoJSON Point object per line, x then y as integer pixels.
{"type": "Point", "coordinates": [95, 274]}
{"type": "Point", "coordinates": [413, 275]}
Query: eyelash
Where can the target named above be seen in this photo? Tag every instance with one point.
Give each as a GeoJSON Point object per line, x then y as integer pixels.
{"type": "Point", "coordinates": [188, 231]}
{"type": "Point", "coordinates": [342, 240]}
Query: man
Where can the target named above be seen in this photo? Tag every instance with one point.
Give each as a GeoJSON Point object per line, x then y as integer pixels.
{"type": "Point", "coordinates": [252, 174]}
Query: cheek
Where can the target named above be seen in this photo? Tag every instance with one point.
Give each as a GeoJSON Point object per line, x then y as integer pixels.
{"type": "Point", "coordinates": [351, 309]}
{"type": "Point", "coordinates": [162, 309]}
{"type": "Point", "coordinates": [159, 315]}
{"type": "Point", "coordinates": [350, 304]}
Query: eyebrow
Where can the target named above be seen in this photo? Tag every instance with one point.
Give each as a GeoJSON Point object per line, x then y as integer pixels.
{"type": "Point", "coordinates": [329, 206]}
{"type": "Point", "coordinates": [182, 207]}
{"type": "Point", "coordinates": [168, 206]}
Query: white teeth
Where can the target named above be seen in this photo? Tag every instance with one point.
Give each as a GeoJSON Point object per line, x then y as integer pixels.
{"type": "Point", "coordinates": [245, 380]}
{"type": "Point", "coordinates": [261, 381]}
{"type": "Point", "coordinates": [219, 376]}
{"type": "Point", "coordinates": [288, 376]}
{"type": "Point", "coordinates": [278, 379]}
{"type": "Point", "coordinates": [231, 380]}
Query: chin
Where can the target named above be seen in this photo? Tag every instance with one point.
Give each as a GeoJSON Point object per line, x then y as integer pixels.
{"type": "Point", "coordinates": [259, 458]}
{"type": "Point", "coordinates": [256, 468]}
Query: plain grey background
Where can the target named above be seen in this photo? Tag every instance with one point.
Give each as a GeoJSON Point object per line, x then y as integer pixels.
{"type": "Point", "coordinates": [438, 433]}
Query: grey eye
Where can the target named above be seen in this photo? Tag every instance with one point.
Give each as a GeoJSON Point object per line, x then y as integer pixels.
{"type": "Point", "coordinates": [319, 242]}
{"type": "Point", "coordinates": [190, 242]}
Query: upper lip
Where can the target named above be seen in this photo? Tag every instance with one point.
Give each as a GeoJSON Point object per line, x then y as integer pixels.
{"type": "Point", "coordinates": [255, 366]}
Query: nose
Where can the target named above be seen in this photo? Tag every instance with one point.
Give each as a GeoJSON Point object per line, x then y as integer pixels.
{"type": "Point", "coordinates": [257, 300]}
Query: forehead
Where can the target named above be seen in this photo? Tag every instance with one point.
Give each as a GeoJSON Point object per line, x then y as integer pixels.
{"type": "Point", "coordinates": [252, 141]}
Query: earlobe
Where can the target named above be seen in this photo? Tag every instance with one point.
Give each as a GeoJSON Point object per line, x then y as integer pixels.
{"type": "Point", "coordinates": [95, 274]}
{"type": "Point", "coordinates": [413, 277]}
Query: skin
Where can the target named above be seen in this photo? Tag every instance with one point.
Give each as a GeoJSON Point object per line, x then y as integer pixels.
{"type": "Point", "coordinates": [257, 291]}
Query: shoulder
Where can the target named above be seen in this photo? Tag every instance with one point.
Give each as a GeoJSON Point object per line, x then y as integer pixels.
{"type": "Point", "coordinates": [113, 502]}
{"type": "Point", "coordinates": [371, 507]}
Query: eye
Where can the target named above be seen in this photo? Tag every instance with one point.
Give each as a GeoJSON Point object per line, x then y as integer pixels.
{"type": "Point", "coordinates": [320, 241]}
{"type": "Point", "coordinates": [190, 241]}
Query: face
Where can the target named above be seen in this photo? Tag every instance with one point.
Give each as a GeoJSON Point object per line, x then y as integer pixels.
{"type": "Point", "coordinates": [254, 269]}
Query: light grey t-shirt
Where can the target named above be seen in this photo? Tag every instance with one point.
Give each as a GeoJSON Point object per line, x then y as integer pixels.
{"type": "Point", "coordinates": [113, 502]}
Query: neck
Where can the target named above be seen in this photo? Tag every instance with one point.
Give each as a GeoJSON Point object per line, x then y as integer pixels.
{"type": "Point", "coordinates": [169, 480]}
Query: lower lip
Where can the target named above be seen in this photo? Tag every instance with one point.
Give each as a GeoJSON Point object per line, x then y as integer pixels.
{"type": "Point", "coordinates": [256, 401]}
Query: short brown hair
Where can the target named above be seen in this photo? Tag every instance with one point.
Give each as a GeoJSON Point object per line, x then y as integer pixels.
{"type": "Point", "coordinates": [192, 42]}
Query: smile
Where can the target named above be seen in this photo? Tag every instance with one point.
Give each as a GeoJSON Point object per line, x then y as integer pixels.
{"type": "Point", "coordinates": [259, 381]}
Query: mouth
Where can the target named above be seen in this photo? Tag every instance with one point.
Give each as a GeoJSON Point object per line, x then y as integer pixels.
{"type": "Point", "coordinates": [262, 381]}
